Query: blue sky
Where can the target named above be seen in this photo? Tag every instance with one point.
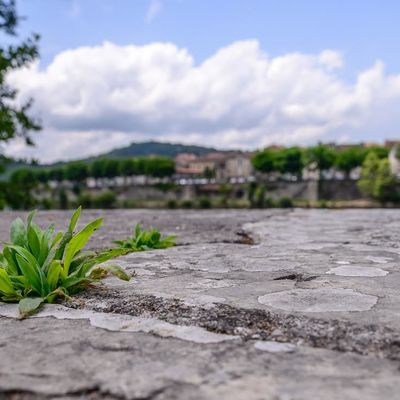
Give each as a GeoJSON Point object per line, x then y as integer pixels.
{"type": "Point", "coordinates": [363, 30]}
{"type": "Point", "coordinates": [242, 73]}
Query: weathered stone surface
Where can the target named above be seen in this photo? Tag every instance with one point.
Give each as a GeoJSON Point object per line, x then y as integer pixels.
{"type": "Point", "coordinates": [357, 271]}
{"type": "Point", "coordinates": [319, 300]}
{"type": "Point", "coordinates": [302, 311]}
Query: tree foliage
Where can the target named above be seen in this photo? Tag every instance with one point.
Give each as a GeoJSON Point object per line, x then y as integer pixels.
{"type": "Point", "coordinates": [322, 157]}
{"type": "Point", "coordinates": [380, 151]}
{"type": "Point", "coordinates": [79, 171]}
{"type": "Point", "coordinates": [290, 160]}
{"type": "Point", "coordinates": [25, 177]}
{"type": "Point", "coordinates": [14, 119]}
{"type": "Point", "coordinates": [110, 168]}
{"type": "Point", "coordinates": [76, 171]}
{"type": "Point", "coordinates": [128, 167]}
{"type": "Point", "coordinates": [17, 192]}
{"type": "Point", "coordinates": [385, 185]}
{"type": "Point", "coordinates": [349, 159]}
{"type": "Point", "coordinates": [368, 174]}
{"type": "Point", "coordinates": [285, 161]}
{"type": "Point", "coordinates": [264, 161]}
{"type": "Point", "coordinates": [377, 180]}
{"type": "Point", "coordinates": [159, 167]}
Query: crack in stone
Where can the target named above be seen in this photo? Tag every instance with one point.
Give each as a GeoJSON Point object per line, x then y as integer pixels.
{"type": "Point", "coordinates": [296, 277]}
{"type": "Point", "coordinates": [256, 324]}
{"type": "Point", "coordinates": [91, 393]}
{"type": "Point", "coordinates": [245, 238]}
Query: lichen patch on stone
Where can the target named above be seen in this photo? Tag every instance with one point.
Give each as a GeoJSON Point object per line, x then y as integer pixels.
{"type": "Point", "coordinates": [357, 271]}
{"type": "Point", "coordinates": [379, 260]}
{"type": "Point", "coordinates": [319, 300]}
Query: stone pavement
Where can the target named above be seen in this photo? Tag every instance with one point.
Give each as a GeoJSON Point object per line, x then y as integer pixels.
{"type": "Point", "coordinates": [254, 305]}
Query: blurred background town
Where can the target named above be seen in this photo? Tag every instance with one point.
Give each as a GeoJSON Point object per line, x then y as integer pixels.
{"type": "Point", "coordinates": [180, 105]}
{"type": "Point", "coordinates": [159, 175]}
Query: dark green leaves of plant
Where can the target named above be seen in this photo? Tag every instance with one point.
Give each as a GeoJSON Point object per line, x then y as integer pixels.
{"type": "Point", "coordinates": [146, 240]}
{"type": "Point", "coordinates": [39, 267]}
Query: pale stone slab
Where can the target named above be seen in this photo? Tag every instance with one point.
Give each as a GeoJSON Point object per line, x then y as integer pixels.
{"type": "Point", "coordinates": [275, 347]}
{"type": "Point", "coordinates": [357, 271]}
{"type": "Point", "coordinates": [319, 300]}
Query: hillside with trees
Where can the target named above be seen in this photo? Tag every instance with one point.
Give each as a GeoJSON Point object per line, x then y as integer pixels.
{"type": "Point", "coordinates": [158, 149]}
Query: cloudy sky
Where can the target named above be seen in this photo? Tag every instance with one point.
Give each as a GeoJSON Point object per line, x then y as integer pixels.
{"type": "Point", "coordinates": [226, 73]}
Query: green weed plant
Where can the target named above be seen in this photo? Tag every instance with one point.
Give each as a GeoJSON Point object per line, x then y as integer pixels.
{"type": "Point", "coordinates": [38, 266]}
{"type": "Point", "coordinates": [143, 240]}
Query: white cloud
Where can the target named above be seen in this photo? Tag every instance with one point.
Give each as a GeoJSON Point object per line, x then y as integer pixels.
{"type": "Point", "coordinates": [95, 98]}
{"type": "Point", "coordinates": [331, 59]}
{"type": "Point", "coordinates": [153, 10]}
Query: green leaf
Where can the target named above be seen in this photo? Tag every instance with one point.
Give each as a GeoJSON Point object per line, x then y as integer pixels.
{"type": "Point", "coordinates": [61, 247]}
{"type": "Point", "coordinates": [11, 298]}
{"type": "Point", "coordinates": [138, 229]}
{"type": "Point", "coordinates": [155, 236]}
{"type": "Point", "coordinates": [84, 268]}
{"type": "Point", "coordinates": [43, 250]}
{"type": "Point", "coordinates": [31, 215]}
{"type": "Point", "coordinates": [45, 244]}
{"type": "Point", "coordinates": [33, 241]}
{"type": "Point", "coordinates": [48, 233]}
{"type": "Point", "coordinates": [6, 285]}
{"type": "Point", "coordinates": [31, 273]}
{"type": "Point", "coordinates": [18, 232]}
{"type": "Point", "coordinates": [117, 270]}
{"type": "Point", "coordinates": [29, 306]}
{"type": "Point", "coordinates": [50, 257]}
{"type": "Point", "coordinates": [81, 258]}
{"type": "Point", "coordinates": [139, 237]}
{"type": "Point", "coordinates": [109, 254]}
{"type": "Point", "coordinates": [19, 282]}
{"type": "Point", "coordinates": [101, 257]}
{"type": "Point", "coordinates": [74, 219]}
{"type": "Point", "coordinates": [146, 240]}
{"type": "Point", "coordinates": [12, 267]}
{"type": "Point", "coordinates": [56, 239]}
{"type": "Point", "coordinates": [169, 241]}
{"type": "Point", "coordinates": [98, 273]}
{"type": "Point", "coordinates": [31, 270]}
{"type": "Point", "coordinates": [74, 280]}
{"type": "Point", "coordinates": [26, 254]}
{"type": "Point", "coordinates": [113, 269]}
{"type": "Point", "coordinates": [59, 292]}
{"type": "Point", "coordinates": [77, 243]}
{"type": "Point", "coordinates": [53, 274]}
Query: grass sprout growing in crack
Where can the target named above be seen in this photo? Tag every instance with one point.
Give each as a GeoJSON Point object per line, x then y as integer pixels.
{"type": "Point", "coordinates": [39, 266]}
{"type": "Point", "coordinates": [143, 240]}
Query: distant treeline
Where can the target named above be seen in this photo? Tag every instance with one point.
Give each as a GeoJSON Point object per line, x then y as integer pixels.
{"type": "Point", "coordinates": [286, 160]}
{"type": "Point", "coordinates": [293, 160]}
{"type": "Point", "coordinates": [28, 186]}
{"type": "Point", "coordinates": [79, 171]}
{"type": "Point", "coordinates": [375, 179]}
